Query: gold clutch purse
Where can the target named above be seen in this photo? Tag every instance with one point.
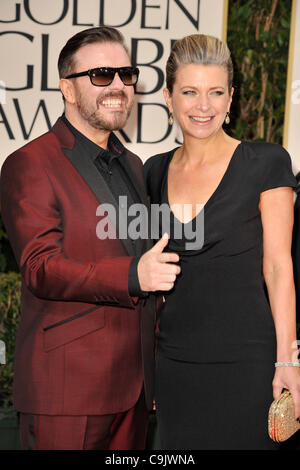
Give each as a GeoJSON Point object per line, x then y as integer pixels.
{"type": "Point", "coordinates": [282, 423]}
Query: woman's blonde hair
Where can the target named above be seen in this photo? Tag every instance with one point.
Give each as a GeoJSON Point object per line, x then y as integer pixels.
{"type": "Point", "coordinates": [198, 49]}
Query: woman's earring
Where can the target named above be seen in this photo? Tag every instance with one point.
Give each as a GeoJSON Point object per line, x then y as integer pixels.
{"type": "Point", "coordinates": [171, 120]}
{"type": "Point", "coordinates": [227, 119]}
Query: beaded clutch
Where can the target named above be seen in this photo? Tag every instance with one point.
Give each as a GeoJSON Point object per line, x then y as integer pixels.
{"type": "Point", "coordinates": [282, 423]}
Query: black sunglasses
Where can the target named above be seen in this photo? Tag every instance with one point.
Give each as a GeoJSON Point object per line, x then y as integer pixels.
{"type": "Point", "coordinates": [104, 76]}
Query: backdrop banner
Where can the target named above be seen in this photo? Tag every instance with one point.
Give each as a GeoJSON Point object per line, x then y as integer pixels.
{"type": "Point", "coordinates": [32, 33]}
{"type": "Point", "coordinates": [291, 139]}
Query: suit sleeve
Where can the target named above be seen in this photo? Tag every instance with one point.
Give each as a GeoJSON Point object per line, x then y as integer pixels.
{"type": "Point", "coordinates": [34, 224]}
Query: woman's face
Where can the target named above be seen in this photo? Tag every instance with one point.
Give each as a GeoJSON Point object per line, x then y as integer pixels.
{"type": "Point", "coordinates": [200, 99]}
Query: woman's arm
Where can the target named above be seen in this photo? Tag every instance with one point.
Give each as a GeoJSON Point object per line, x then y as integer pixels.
{"type": "Point", "coordinates": [277, 210]}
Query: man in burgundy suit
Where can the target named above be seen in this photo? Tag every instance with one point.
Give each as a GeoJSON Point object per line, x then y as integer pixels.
{"type": "Point", "coordinates": [84, 350]}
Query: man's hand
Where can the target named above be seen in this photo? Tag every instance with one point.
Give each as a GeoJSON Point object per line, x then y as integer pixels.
{"type": "Point", "coordinates": [155, 271]}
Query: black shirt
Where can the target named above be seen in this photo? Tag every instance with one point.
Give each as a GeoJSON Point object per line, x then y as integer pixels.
{"type": "Point", "coordinates": [107, 163]}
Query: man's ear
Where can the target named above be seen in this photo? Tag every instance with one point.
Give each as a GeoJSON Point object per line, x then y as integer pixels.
{"type": "Point", "coordinates": [67, 89]}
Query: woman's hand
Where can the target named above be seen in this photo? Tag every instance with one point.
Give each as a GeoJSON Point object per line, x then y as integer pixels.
{"type": "Point", "coordinates": [289, 378]}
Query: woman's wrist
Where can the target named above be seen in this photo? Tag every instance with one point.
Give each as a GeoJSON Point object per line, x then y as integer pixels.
{"type": "Point", "coordinates": [288, 351]}
{"type": "Point", "coordinates": [287, 364]}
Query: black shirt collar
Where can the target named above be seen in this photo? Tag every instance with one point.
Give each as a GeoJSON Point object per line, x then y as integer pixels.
{"type": "Point", "coordinates": [115, 147]}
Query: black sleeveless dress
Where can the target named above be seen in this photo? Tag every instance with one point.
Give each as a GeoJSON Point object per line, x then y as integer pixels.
{"type": "Point", "coordinates": [216, 341]}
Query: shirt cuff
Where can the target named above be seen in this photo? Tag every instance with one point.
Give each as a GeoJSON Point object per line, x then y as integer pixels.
{"type": "Point", "coordinates": [134, 287]}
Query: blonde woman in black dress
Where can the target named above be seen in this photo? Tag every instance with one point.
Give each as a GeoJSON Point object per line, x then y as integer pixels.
{"type": "Point", "coordinates": [219, 338]}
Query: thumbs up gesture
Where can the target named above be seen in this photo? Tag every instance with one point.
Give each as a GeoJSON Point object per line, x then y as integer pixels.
{"type": "Point", "coordinates": [156, 270]}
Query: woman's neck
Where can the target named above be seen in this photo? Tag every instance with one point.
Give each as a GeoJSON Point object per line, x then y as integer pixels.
{"type": "Point", "coordinates": [199, 151]}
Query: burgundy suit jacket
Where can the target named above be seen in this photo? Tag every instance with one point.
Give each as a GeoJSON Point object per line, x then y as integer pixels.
{"type": "Point", "coordinates": [84, 345]}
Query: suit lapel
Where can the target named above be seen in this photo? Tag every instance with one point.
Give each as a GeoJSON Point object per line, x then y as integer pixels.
{"type": "Point", "coordinates": [86, 168]}
{"type": "Point", "coordinates": [142, 193]}
{"type": "Point", "coordinates": [129, 169]}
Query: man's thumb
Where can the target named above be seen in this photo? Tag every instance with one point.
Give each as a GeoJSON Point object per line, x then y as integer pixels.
{"type": "Point", "coordinates": [161, 244]}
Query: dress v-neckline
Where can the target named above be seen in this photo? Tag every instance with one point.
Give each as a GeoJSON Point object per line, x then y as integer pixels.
{"type": "Point", "coordinates": [214, 193]}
